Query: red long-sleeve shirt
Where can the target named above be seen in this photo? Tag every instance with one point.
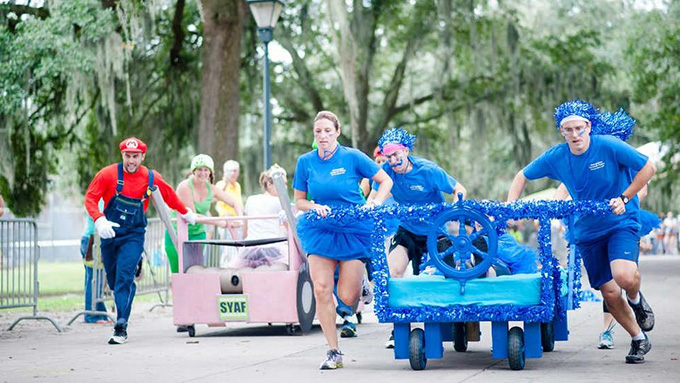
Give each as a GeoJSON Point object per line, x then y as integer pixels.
{"type": "Point", "coordinates": [135, 184]}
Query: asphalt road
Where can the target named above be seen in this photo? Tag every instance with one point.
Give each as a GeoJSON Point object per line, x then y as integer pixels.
{"type": "Point", "coordinates": [35, 352]}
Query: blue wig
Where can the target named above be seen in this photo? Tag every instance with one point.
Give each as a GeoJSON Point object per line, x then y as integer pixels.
{"type": "Point", "coordinates": [397, 136]}
{"type": "Point", "coordinates": [577, 108]}
{"type": "Point", "coordinates": [617, 124]}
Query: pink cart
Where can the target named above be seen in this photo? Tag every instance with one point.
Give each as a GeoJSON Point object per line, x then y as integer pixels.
{"type": "Point", "coordinates": [213, 296]}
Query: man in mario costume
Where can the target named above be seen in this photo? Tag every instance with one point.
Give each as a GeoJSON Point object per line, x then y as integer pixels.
{"type": "Point", "coordinates": [125, 188]}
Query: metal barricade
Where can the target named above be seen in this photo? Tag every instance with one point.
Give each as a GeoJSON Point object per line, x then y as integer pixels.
{"type": "Point", "coordinates": [154, 277]}
{"type": "Point", "coordinates": [19, 255]}
{"type": "Point", "coordinates": [99, 290]}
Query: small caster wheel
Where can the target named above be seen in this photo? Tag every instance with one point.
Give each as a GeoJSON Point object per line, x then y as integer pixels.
{"type": "Point", "coordinates": [290, 329]}
{"type": "Point", "coordinates": [516, 356]}
{"type": "Point", "coordinates": [416, 349]}
{"type": "Point", "coordinates": [191, 330]}
{"type": "Point", "coordinates": [460, 342]}
{"type": "Point", "coordinates": [547, 336]}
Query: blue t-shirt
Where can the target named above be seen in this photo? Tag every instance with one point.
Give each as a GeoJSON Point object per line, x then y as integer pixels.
{"type": "Point", "coordinates": [603, 172]}
{"type": "Point", "coordinates": [89, 225]}
{"type": "Point", "coordinates": [425, 183]}
{"type": "Point", "coordinates": [334, 181]}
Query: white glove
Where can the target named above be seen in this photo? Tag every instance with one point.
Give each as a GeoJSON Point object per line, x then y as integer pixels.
{"type": "Point", "coordinates": [105, 228]}
{"type": "Point", "coordinates": [189, 216]}
{"type": "Point", "coordinates": [283, 218]}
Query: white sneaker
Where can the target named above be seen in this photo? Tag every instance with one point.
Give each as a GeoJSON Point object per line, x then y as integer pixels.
{"type": "Point", "coordinates": [333, 360]}
{"type": "Point", "coordinates": [119, 336]}
{"type": "Point", "coordinates": [366, 291]}
{"type": "Point", "coordinates": [606, 340]}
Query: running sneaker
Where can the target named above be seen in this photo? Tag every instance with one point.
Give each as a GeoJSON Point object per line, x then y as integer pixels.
{"type": "Point", "coordinates": [390, 342]}
{"type": "Point", "coordinates": [349, 330]}
{"type": "Point", "coordinates": [119, 335]}
{"type": "Point", "coordinates": [638, 349]}
{"type": "Point", "coordinates": [333, 360]}
{"type": "Point", "coordinates": [643, 314]}
{"type": "Point", "coordinates": [366, 291]}
{"type": "Point", "coordinates": [606, 340]}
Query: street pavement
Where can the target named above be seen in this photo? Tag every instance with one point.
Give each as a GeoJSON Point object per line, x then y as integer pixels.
{"type": "Point", "coordinates": [35, 352]}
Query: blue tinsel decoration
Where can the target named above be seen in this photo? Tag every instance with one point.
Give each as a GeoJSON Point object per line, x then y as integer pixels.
{"type": "Point", "coordinates": [397, 136]}
{"type": "Point", "coordinates": [589, 296]}
{"type": "Point", "coordinates": [552, 277]}
{"type": "Point", "coordinates": [618, 124]}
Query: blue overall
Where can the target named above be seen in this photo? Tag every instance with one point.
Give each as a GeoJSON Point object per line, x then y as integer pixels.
{"type": "Point", "coordinates": [122, 253]}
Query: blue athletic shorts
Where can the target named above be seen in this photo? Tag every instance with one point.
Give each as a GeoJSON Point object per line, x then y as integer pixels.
{"type": "Point", "coordinates": [597, 254]}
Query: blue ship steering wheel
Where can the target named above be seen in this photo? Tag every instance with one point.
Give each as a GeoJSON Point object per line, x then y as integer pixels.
{"type": "Point", "coordinates": [456, 260]}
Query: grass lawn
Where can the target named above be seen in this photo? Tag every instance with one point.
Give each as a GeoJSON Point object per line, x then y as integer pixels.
{"type": "Point", "coordinates": [71, 303]}
{"type": "Point", "coordinates": [58, 278]}
{"type": "Point", "coordinates": [61, 288]}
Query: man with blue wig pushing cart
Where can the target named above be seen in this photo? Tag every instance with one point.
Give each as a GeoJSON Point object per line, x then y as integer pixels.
{"type": "Point", "coordinates": [416, 180]}
{"type": "Point", "coordinates": [596, 166]}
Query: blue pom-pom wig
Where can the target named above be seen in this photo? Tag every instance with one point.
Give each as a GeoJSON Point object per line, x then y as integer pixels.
{"type": "Point", "coordinates": [617, 124]}
{"type": "Point", "coordinates": [397, 136]}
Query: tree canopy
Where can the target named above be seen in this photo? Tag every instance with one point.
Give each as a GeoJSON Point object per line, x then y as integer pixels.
{"type": "Point", "coordinates": [476, 80]}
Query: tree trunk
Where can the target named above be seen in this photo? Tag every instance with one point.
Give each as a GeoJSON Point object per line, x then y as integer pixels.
{"type": "Point", "coordinates": [355, 44]}
{"type": "Point", "coordinates": [178, 32]}
{"type": "Point", "coordinates": [220, 107]}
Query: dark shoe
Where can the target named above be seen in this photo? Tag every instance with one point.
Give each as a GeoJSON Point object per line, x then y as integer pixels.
{"type": "Point", "coordinates": [643, 314]}
{"type": "Point", "coordinates": [349, 330]}
{"type": "Point", "coordinates": [119, 335]}
{"type": "Point", "coordinates": [366, 291]}
{"type": "Point", "coordinates": [638, 349]}
{"type": "Point", "coordinates": [182, 328]}
{"type": "Point", "coordinates": [139, 270]}
{"type": "Point", "coordinates": [390, 342]}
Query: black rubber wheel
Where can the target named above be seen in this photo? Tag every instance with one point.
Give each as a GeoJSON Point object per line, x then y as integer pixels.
{"type": "Point", "coordinates": [290, 329]}
{"type": "Point", "coordinates": [306, 303]}
{"type": "Point", "coordinates": [191, 330]}
{"type": "Point", "coordinates": [516, 354]}
{"type": "Point", "coordinates": [460, 342]}
{"type": "Point", "coordinates": [547, 336]}
{"type": "Point", "coordinates": [360, 318]}
{"type": "Point", "coordinates": [416, 349]}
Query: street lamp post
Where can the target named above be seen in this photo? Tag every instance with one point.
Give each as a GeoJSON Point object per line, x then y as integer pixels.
{"type": "Point", "coordinates": [266, 14]}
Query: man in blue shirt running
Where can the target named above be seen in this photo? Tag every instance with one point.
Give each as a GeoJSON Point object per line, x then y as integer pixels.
{"type": "Point", "coordinates": [597, 167]}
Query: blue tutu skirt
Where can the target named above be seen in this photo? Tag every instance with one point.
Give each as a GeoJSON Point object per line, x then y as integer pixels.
{"type": "Point", "coordinates": [342, 239]}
